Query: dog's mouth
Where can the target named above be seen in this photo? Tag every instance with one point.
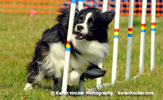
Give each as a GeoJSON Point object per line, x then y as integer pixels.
{"type": "Point", "coordinates": [79, 36]}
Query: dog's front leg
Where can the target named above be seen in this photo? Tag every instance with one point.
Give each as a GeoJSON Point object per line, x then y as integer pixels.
{"type": "Point", "coordinates": [74, 77]}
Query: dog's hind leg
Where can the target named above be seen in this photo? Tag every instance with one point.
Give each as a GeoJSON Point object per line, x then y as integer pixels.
{"type": "Point", "coordinates": [34, 77]}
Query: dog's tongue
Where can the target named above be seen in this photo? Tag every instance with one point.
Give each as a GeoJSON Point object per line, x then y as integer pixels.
{"type": "Point", "coordinates": [79, 35]}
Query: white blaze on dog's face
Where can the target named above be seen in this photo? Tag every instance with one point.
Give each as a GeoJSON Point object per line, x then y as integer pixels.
{"type": "Point", "coordinates": [82, 27]}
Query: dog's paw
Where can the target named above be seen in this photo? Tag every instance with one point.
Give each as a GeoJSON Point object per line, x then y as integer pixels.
{"type": "Point", "coordinates": [28, 86]}
{"type": "Point", "coordinates": [73, 78]}
{"type": "Point", "coordinates": [94, 73]}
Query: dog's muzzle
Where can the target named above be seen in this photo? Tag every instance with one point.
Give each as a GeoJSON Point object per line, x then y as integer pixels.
{"type": "Point", "coordinates": [78, 32]}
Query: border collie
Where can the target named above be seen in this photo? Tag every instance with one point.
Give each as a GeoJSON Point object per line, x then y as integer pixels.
{"type": "Point", "coordinates": [89, 45]}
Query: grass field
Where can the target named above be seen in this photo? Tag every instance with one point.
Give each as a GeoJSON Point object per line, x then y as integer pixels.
{"type": "Point", "coordinates": [19, 34]}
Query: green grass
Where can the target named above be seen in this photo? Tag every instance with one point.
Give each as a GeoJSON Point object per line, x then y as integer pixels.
{"type": "Point", "coordinates": [19, 34]}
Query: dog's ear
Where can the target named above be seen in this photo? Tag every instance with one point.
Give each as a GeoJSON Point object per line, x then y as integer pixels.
{"type": "Point", "coordinates": [108, 16]}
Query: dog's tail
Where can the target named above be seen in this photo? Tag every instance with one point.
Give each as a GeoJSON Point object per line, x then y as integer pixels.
{"type": "Point", "coordinates": [64, 16]}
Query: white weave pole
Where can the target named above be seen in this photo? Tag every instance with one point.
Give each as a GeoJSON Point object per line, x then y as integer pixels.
{"type": "Point", "coordinates": [105, 5]}
{"type": "Point", "coordinates": [142, 42]}
{"type": "Point", "coordinates": [68, 47]}
{"type": "Point", "coordinates": [81, 82]}
{"type": "Point", "coordinates": [129, 40]}
{"type": "Point", "coordinates": [80, 5]}
{"type": "Point", "coordinates": [100, 64]}
{"type": "Point", "coordinates": [115, 46]}
{"type": "Point", "coordinates": [153, 32]}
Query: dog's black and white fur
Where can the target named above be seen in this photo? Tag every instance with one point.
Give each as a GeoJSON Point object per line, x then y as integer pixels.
{"type": "Point", "coordinates": [89, 45]}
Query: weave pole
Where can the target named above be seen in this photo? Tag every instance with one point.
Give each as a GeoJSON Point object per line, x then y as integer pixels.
{"type": "Point", "coordinates": [68, 47]}
{"type": "Point", "coordinates": [100, 64]}
{"type": "Point", "coordinates": [81, 82]}
{"type": "Point", "coordinates": [142, 43]}
{"type": "Point", "coordinates": [129, 40]}
{"type": "Point", "coordinates": [153, 31]}
{"type": "Point", "coordinates": [80, 5]}
{"type": "Point", "coordinates": [116, 36]}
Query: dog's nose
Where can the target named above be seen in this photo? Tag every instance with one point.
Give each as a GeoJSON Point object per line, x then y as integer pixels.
{"type": "Point", "coordinates": [79, 27]}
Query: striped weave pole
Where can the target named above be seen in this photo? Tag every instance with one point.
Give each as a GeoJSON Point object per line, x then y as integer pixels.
{"type": "Point", "coordinates": [142, 43]}
{"type": "Point", "coordinates": [129, 40]}
{"type": "Point", "coordinates": [153, 32]}
{"type": "Point", "coordinates": [116, 36]}
{"type": "Point", "coordinates": [100, 64]}
{"type": "Point", "coordinates": [81, 82]}
{"type": "Point", "coordinates": [68, 47]}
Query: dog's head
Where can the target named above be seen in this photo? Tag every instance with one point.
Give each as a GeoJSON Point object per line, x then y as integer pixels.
{"type": "Point", "coordinates": [92, 24]}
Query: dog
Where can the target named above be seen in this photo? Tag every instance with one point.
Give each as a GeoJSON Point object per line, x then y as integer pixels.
{"type": "Point", "coordinates": [89, 46]}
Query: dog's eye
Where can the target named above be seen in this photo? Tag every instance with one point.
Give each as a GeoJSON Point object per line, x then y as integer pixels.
{"type": "Point", "coordinates": [90, 20]}
{"type": "Point", "coordinates": [81, 18]}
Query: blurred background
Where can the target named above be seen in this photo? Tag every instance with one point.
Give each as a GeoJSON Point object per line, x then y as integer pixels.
{"type": "Point", "coordinates": [52, 6]}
